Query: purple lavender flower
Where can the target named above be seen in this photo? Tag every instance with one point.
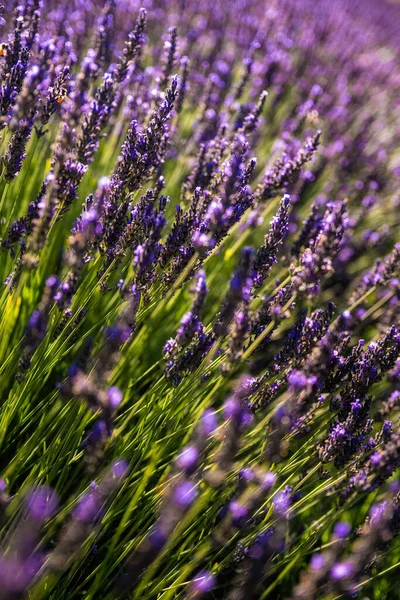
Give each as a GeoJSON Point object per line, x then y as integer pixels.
{"type": "Point", "coordinates": [191, 326]}
{"type": "Point", "coordinates": [240, 287]}
{"type": "Point", "coordinates": [42, 503]}
{"type": "Point", "coordinates": [132, 47]}
{"type": "Point", "coordinates": [88, 508]}
{"type": "Point", "coordinates": [188, 458]}
{"type": "Point", "coordinates": [213, 494]}
{"type": "Point", "coordinates": [317, 259]}
{"type": "Point", "coordinates": [342, 570]}
{"type": "Point", "coordinates": [15, 69]}
{"type": "Point", "coordinates": [209, 422]}
{"type": "Point", "coordinates": [16, 151]}
{"type": "Point", "coordinates": [170, 55]}
{"type": "Point", "coordinates": [342, 529]}
{"type": "Point", "coordinates": [266, 255]}
{"type": "Point", "coordinates": [114, 396]}
{"type": "Point", "coordinates": [16, 575]}
{"type": "Point", "coordinates": [269, 480]}
{"type": "Point", "coordinates": [285, 172]}
{"type": "Point", "coordinates": [185, 493]}
{"type": "Point", "coordinates": [86, 513]}
{"type": "Point", "coordinates": [37, 324]}
{"type": "Point", "coordinates": [184, 85]}
{"type": "Point", "coordinates": [201, 584]}
{"type": "Point", "coordinates": [54, 97]}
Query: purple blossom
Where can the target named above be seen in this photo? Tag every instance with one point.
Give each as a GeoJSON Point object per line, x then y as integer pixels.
{"type": "Point", "coordinates": [342, 570]}
{"type": "Point", "coordinates": [120, 468]}
{"type": "Point", "coordinates": [42, 503]}
{"type": "Point", "coordinates": [209, 421]}
{"type": "Point", "coordinates": [88, 508]}
{"type": "Point", "coordinates": [342, 529]}
{"type": "Point", "coordinates": [188, 458]}
{"type": "Point", "coordinates": [16, 575]}
{"type": "Point", "coordinates": [202, 583]}
{"type": "Point", "coordinates": [317, 562]}
{"type": "Point", "coordinates": [234, 139]}
{"type": "Point", "coordinates": [185, 493]}
{"type": "Point", "coordinates": [114, 396]}
{"type": "Point", "coordinates": [281, 503]}
{"type": "Point", "coordinates": [268, 480]}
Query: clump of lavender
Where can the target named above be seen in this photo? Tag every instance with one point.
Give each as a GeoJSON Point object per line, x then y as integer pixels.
{"type": "Point", "coordinates": [199, 333]}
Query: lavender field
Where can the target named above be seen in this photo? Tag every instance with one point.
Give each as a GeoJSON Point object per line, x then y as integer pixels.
{"type": "Point", "coordinates": [200, 300]}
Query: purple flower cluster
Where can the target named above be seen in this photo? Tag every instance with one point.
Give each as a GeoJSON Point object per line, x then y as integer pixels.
{"type": "Point", "coordinates": [199, 218]}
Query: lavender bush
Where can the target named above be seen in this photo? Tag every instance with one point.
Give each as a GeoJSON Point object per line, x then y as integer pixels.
{"type": "Point", "coordinates": [200, 318]}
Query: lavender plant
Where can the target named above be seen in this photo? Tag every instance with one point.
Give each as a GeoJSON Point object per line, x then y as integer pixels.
{"type": "Point", "coordinates": [200, 323]}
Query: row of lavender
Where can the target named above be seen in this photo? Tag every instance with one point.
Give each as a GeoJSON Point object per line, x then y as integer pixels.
{"type": "Point", "coordinates": [200, 343]}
